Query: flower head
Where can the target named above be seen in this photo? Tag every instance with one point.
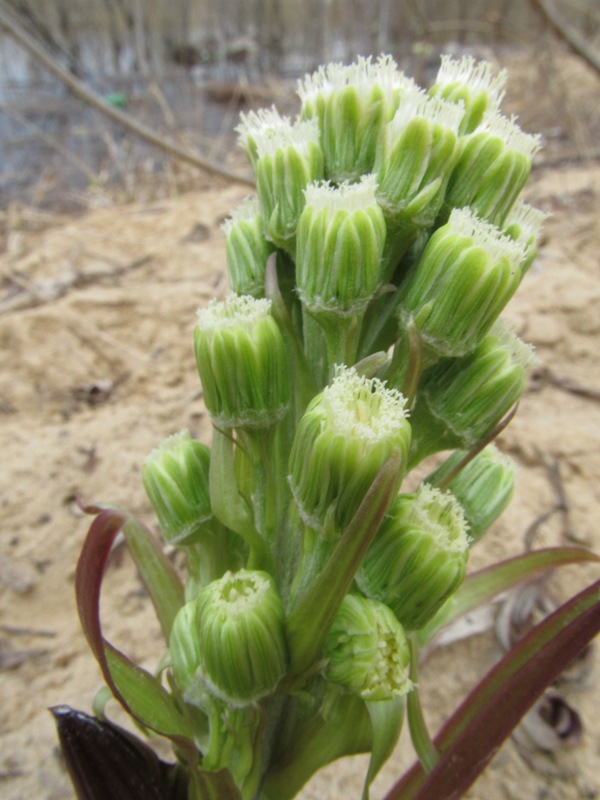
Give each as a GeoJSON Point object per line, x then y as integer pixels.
{"type": "Point", "coordinates": [243, 363]}
{"type": "Point", "coordinates": [418, 558]}
{"type": "Point", "coordinates": [494, 164]}
{"type": "Point", "coordinates": [466, 275]}
{"type": "Point", "coordinates": [345, 436]}
{"type": "Point", "coordinates": [484, 487]}
{"type": "Point", "coordinates": [351, 104]}
{"type": "Point", "coordinates": [247, 249]}
{"type": "Point", "coordinates": [241, 631]}
{"type": "Point", "coordinates": [367, 651]}
{"type": "Point", "coordinates": [175, 477]}
{"type": "Point", "coordinates": [340, 241]}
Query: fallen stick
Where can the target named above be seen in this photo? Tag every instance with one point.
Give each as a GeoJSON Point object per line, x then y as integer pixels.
{"type": "Point", "coordinates": [83, 92]}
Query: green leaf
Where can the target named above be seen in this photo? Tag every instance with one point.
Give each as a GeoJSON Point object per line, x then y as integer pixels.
{"type": "Point", "coordinates": [312, 618]}
{"type": "Point", "coordinates": [146, 698]}
{"type": "Point", "coordinates": [478, 727]}
{"type": "Point", "coordinates": [481, 586]}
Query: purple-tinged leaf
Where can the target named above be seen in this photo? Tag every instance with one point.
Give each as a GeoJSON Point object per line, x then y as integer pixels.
{"type": "Point", "coordinates": [482, 586]}
{"type": "Point", "coordinates": [137, 690]}
{"type": "Point", "coordinates": [478, 727]}
{"type": "Point", "coordinates": [106, 762]}
{"type": "Point", "coordinates": [163, 716]}
{"type": "Point", "coordinates": [159, 576]}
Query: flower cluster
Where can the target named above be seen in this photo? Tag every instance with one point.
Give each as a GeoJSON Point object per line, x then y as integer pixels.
{"type": "Point", "coordinates": [362, 335]}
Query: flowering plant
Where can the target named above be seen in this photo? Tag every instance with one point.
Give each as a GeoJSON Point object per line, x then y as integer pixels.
{"type": "Point", "coordinates": [361, 336]}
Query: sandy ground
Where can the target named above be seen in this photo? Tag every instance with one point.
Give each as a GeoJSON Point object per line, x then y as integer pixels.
{"type": "Point", "coordinates": [96, 320]}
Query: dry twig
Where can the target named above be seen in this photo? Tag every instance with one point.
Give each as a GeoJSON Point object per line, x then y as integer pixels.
{"type": "Point", "coordinates": [87, 95]}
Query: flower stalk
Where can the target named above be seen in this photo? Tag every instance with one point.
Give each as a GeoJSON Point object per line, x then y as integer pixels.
{"type": "Point", "coordinates": [361, 336]}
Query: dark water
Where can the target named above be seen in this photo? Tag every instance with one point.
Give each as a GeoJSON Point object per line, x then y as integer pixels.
{"type": "Point", "coordinates": [180, 78]}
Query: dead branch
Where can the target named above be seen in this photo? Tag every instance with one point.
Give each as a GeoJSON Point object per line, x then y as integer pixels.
{"type": "Point", "coordinates": [80, 90]}
{"type": "Point", "coordinates": [566, 32]}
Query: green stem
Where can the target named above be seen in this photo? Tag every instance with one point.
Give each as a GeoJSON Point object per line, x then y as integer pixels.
{"type": "Point", "coordinates": [315, 349]}
{"type": "Point", "coordinates": [344, 730]}
{"type": "Point", "coordinates": [422, 742]}
{"type": "Point", "coordinates": [229, 506]}
{"type": "Point", "coordinates": [341, 336]}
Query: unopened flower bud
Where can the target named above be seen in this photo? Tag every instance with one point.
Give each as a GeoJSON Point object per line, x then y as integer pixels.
{"type": "Point", "coordinates": [256, 125]}
{"type": "Point", "coordinates": [416, 156]}
{"type": "Point", "coordinates": [465, 277]}
{"type": "Point", "coordinates": [461, 400]}
{"type": "Point", "coordinates": [351, 104]}
{"type": "Point", "coordinates": [345, 436]}
{"type": "Point", "coordinates": [471, 83]}
{"type": "Point", "coordinates": [494, 164]}
{"type": "Point", "coordinates": [175, 477]}
{"type": "Point", "coordinates": [367, 650]}
{"type": "Point", "coordinates": [419, 556]}
{"type": "Point", "coordinates": [289, 158]}
{"type": "Point", "coordinates": [247, 249]}
{"type": "Point", "coordinates": [243, 363]}
{"type": "Point", "coordinates": [340, 241]}
{"type": "Point", "coordinates": [484, 487]}
{"type": "Point", "coordinates": [241, 624]}
{"type": "Point", "coordinates": [523, 224]}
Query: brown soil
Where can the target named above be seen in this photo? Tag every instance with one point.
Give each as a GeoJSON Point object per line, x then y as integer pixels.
{"type": "Point", "coordinates": [96, 327]}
